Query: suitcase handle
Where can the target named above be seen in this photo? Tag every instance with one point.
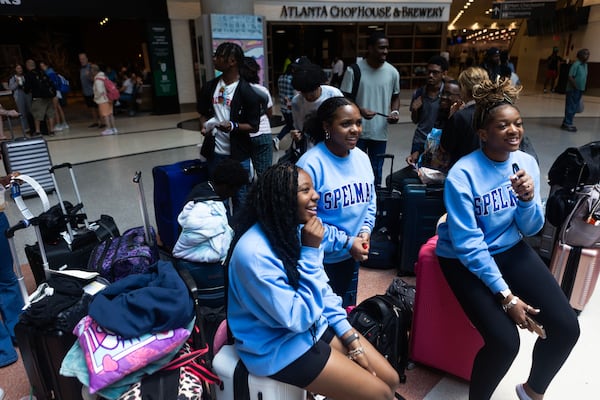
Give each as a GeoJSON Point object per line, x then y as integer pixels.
{"type": "Point", "coordinates": [59, 166]}
{"type": "Point", "coordinates": [10, 232]}
{"type": "Point", "coordinates": [137, 179]}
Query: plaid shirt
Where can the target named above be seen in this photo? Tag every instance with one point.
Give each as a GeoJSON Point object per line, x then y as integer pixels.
{"type": "Point", "coordinates": [286, 90]}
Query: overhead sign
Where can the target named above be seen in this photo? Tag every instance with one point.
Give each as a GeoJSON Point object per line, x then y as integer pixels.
{"type": "Point", "coordinates": [354, 12]}
{"type": "Point", "coordinates": [512, 9]}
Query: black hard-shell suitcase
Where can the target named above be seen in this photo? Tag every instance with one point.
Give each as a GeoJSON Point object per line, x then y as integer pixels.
{"type": "Point", "coordinates": [42, 354]}
{"type": "Point", "coordinates": [172, 184]}
{"type": "Point", "coordinates": [422, 207]}
{"type": "Point", "coordinates": [383, 250]}
{"type": "Point", "coordinates": [30, 157]}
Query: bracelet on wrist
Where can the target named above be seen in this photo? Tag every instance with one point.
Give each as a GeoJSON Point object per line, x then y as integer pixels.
{"type": "Point", "coordinates": [351, 338]}
{"type": "Point", "coordinates": [352, 354]}
{"type": "Point", "coordinates": [346, 242]}
{"type": "Point", "coordinates": [513, 302]}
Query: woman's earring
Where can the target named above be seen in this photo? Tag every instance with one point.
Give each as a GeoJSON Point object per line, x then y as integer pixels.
{"type": "Point", "coordinates": [327, 134]}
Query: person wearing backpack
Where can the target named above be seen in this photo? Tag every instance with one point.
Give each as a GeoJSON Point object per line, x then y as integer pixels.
{"type": "Point", "coordinates": [101, 97]}
{"type": "Point", "coordinates": [42, 92]}
{"type": "Point", "coordinates": [58, 110]}
{"type": "Point", "coordinates": [286, 322]}
{"type": "Point", "coordinates": [377, 94]}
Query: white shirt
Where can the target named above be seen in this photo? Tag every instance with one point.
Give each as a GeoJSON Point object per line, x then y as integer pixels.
{"type": "Point", "coordinates": [222, 105]}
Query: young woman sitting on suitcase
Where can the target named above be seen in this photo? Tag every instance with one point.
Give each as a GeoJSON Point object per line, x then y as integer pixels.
{"type": "Point", "coordinates": [493, 199]}
{"type": "Point", "coordinates": [286, 321]}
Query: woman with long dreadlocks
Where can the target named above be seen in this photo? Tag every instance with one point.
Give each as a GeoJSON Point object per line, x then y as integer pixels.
{"type": "Point", "coordinates": [343, 177]}
{"type": "Point", "coordinates": [286, 321]}
{"type": "Point", "coordinates": [493, 199]}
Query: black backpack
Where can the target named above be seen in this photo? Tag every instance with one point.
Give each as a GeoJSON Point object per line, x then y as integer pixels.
{"type": "Point", "coordinates": [576, 166]}
{"type": "Point", "coordinates": [385, 322]}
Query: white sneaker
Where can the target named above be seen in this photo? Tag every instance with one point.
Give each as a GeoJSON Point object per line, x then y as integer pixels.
{"type": "Point", "coordinates": [65, 126]}
{"type": "Point", "coordinates": [276, 143]}
{"type": "Point", "coordinates": [58, 128]}
{"type": "Point", "coordinates": [115, 131]}
{"type": "Point", "coordinates": [108, 131]}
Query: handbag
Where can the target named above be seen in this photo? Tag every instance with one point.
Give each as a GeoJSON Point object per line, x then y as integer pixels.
{"type": "Point", "coordinates": [207, 150]}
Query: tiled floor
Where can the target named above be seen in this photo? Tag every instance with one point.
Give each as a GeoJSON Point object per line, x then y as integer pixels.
{"type": "Point", "coordinates": [104, 166]}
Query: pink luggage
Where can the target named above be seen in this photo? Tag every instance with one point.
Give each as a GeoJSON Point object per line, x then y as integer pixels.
{"type": "Point", "coordinates": [441, 335]}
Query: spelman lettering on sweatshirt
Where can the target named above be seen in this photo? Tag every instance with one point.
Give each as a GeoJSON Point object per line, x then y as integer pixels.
{"type": "Point", "coordinates": [495, 200]}
{"type": "Point", "coordinates": [348, 195]}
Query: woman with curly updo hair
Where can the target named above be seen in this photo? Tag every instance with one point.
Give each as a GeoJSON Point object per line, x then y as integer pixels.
{"type": "Point", "coordinates": [286, 321]}
{"type": "Point", "coordinates": [492, 197]}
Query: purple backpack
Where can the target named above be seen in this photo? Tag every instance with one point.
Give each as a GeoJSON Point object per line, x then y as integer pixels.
{"type": "Point", "coordinates": [118, 257]}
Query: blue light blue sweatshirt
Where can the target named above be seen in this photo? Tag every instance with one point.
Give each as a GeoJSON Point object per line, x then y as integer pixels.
{"type": "Point", "coordinates": [347, 196]}
{"type": "Point", "coordinates": [484, 215]}
{"type": "Point", "coordinates": [272, 323]}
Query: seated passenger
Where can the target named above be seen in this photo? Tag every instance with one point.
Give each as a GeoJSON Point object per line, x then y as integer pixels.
{"type": "Point", "coordinates": [286, 321]}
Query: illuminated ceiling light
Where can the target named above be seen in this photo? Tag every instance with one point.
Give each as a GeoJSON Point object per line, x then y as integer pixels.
{"type": "Point", "coordinates": [280, 31]}
{"type": "Point", "coordinates": [372, 27]}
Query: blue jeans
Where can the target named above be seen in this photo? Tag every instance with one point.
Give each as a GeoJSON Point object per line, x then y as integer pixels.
{"type": "Point", "coordinates": [239, 199]}
{"type": "Point", "coordinates": [289, 125]}
{"type": "Point", "coordinates": [341, 279]}
{"type": "Point", "coordinates": [374, 148]}
{"type": "Point", "coordinates": [11, 300]}
{"type": "Point", "coordinates": [571, 104]}
{"type": "Point", "coordinates": [261, 153]}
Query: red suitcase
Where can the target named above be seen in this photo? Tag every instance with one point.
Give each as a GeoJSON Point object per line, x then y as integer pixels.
{"type": "Point", "coordinates": [441, 335]}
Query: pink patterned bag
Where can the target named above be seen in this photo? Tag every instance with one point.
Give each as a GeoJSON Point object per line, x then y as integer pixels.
{"type": "Point", "coordinates": [109, 357]}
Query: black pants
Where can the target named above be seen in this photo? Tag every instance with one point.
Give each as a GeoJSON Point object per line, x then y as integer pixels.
{"type": "Point", "coordinates": [529, 278]}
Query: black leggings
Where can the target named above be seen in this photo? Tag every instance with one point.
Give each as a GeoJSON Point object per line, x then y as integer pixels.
{"type": "Point", "coordinates": [529, 278]}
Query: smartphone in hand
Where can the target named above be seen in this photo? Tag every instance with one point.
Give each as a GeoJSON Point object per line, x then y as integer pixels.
{"type": "Point", "coordinates": [536, 326]}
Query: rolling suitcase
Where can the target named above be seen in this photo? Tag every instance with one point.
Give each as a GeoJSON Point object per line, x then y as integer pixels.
{"type": "Point", "coordinates": [422, 206]}
{"type": "Point", "coordinates": [30, 157]}
{"type": "Point", "coordinates": [42, 351]}
{"type": "Point", "coordinates": [441, 334]}
{"type": "Point", "coordinates": [383, 250]}
{"type": "Point", "coordinates": [576, 269]}
{"type": "Point", "coordinates": [231, 372]}
{"type": "Point", "coordinates": [172, 184]}
{"type": "Point", "coordinates": [73, 253]}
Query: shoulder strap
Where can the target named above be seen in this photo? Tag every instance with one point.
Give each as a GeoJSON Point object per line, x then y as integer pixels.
{"type": "Point", "coordinates": [241, 391]}
{"type": "Point", "coordinates": [355, 80]}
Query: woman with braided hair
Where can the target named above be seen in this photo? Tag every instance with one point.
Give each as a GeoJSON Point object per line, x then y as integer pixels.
{"type": "Point", "coordinates": [492, 197]}
{"type": "Point", "coordinates": [286, 321]}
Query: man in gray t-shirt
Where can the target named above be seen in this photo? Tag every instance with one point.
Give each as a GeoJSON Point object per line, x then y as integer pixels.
{"type": "Point", "coordinates": [377, 97]}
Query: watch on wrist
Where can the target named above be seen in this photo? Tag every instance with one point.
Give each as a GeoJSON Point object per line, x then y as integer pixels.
{"type": "Point", "coordinates": [503, 294]}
